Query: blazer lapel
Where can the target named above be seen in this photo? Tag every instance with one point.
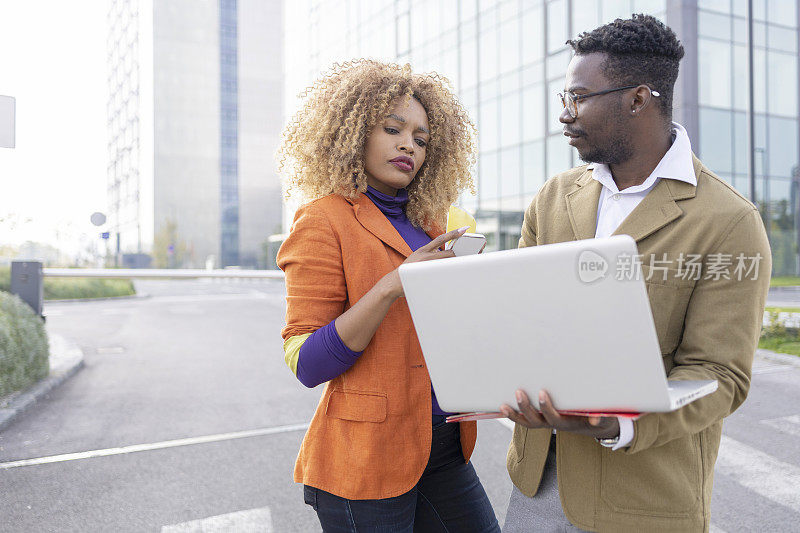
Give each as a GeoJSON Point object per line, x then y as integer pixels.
{"type": "Point", "coordinates": [369, 216]}
{"type": "Point", "coordinates": [656, 210]}
{"type": "Point", "coordinates": [582, 206]}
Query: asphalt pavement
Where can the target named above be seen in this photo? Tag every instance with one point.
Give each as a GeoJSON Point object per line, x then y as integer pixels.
{"type": "Point", "coordinates": [784, 297]}
{"type": "Point", "coordinates": [185, 418]}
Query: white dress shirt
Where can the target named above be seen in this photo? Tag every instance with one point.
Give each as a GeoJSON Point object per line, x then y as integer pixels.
{"type": "Point", "coordinates": [614, 206]}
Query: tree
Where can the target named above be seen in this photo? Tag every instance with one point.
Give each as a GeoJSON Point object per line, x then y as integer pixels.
{"type": "Point", "coordinates": [169, 251]}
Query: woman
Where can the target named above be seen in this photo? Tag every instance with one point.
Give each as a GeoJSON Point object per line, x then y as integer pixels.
{"type": "Point", "coordinates": [383, 153]}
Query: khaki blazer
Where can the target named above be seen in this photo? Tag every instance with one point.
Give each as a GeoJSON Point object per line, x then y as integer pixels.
{"type": "Point", "coordinates": [707, 328]}
{"type": "Point", "coordinates": [370, 437]}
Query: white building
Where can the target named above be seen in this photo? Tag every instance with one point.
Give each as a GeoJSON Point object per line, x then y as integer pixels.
{"type": "Point", "coordinates": [8, 108]}
{"type": "Point", "coordinates": [194, 117]}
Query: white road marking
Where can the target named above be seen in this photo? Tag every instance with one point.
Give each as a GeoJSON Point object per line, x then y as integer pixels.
{"type": "Point", "coordinates": [752, 468]}
{"type": "Point", "coordinates": [763, 474]}
{"type": "Point", "coordinates": [788, 424]}
{"type": "Point", "coordinates": [110, 350]}
{"type": "Point", "coordinates": [115, 311]}
{"type": "Point", "coordinates": [185, 310]}
{"type": "Point", "coordinates": [153, 446]}
{"type": "Point", "coordinates": [253, 520]}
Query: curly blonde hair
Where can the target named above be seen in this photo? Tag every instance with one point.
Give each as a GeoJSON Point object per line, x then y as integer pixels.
{"type": "Point", "coordinates": [322, 150]}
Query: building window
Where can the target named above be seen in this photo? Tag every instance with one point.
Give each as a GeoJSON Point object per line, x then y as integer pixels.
{"type": "Point", "coordinates": [715, 139]}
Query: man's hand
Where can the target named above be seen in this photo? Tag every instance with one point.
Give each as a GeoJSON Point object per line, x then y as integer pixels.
{"type": "Point", "coordinates": [593, 426]}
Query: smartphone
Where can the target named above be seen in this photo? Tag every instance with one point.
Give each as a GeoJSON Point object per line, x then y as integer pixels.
{"type": "Point", "coordinates": [467, 244]}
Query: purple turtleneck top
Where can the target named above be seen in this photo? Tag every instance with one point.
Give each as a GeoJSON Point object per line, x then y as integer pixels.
{"type": "Point", "coordinates": [324, 355]}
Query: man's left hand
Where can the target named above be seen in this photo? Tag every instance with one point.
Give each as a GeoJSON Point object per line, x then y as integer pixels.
{"type": "Point", "coordinates": [592, 426]}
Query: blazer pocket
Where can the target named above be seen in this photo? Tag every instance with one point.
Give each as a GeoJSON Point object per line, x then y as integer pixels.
{"type": "Point", "coordinates": [358, 406]}
{"type": "Point", "coordinates": [664, 481]}
{"type": "Point", "coordinates": [669, 297]}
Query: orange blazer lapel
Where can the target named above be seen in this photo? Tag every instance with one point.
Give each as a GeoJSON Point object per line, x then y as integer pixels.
{"type": "Point", "coordinates": [369, 216]}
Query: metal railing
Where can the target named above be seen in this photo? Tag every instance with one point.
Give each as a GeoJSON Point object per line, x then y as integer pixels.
{"type": "Point", "coordinates": [27, 277]}
{"type": "Point", "coordinates": [159, 273]}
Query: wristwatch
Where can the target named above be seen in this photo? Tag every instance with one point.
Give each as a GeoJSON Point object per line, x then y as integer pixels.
{"type": "Point", "coordinates": [608, 442]}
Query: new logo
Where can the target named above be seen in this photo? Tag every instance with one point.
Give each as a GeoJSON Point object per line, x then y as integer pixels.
{"type": "Point", "coordinates": [591, 266]}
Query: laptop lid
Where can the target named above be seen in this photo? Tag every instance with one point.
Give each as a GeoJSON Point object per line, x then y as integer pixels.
{"type": "Point", "coordinates": [563, 317]}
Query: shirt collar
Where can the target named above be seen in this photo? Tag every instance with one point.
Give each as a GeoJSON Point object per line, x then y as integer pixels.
{"type": "Point", "coordinates": [677, 164]}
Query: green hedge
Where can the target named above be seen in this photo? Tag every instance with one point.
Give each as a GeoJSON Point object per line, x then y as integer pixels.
{"type": "Point", "coordinates": [72, 288]}
{"type": "Point", "coordinates": [777, 337]}
{"type": "Point", "coordinates": [24, 349]}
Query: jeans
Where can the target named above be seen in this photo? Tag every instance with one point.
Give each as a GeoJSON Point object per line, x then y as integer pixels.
{"type": "Point", "coordinates": [448, 497]}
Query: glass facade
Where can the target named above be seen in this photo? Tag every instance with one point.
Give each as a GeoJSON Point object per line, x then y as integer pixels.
{"type": "Point", "coordinates": [123, 123]}
{"type": "Point", "coordinates": [229, 138]}
{"type": "Point", "coordinates": [724, 108]}
{"type": "Point", "coordinates": [507, 60]}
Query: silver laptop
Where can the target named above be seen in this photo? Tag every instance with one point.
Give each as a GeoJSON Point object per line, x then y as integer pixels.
{"type": "Point", "coordinates": [564, 317]}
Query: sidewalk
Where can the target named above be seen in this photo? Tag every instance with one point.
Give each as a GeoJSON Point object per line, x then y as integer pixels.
{"type": "Point", "coordinates": [66, 358]}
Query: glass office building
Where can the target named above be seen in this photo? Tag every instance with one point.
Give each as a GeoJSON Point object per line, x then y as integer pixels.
{"type": "Point", "coordinates": [507, 60]}
{"type": "Point", "coordinates": [194, 109]}
{"type": "Point", "coordinates": [723, 98]}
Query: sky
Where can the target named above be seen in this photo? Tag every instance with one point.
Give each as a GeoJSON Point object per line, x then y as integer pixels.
{"type": "Point", "coordinates": [53, 61]}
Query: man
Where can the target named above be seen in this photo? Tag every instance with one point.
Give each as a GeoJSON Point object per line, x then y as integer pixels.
{"type": "Point", "coordinates": [655, 473]}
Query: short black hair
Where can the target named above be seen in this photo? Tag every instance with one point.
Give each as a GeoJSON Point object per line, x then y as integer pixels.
{"type": "Point", "coordinates": [640, 50]}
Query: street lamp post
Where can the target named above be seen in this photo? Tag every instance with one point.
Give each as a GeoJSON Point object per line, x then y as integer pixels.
{"type": "Point", "coordinates": [764, 204]}
{"type": "Point", "coordinates": [751, 119]}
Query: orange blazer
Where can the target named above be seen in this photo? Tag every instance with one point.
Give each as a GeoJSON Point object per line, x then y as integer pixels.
{"type": "Point", "coordinates": [370, 437]}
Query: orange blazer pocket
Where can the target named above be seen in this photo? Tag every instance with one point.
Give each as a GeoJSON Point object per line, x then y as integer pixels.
{"type": "Point", "coordinates": [357, 406]}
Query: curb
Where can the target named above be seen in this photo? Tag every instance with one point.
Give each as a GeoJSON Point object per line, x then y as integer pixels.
{"type": "Point", "coordinates": [786, 359]}
{"type": "Point", "coordinates": [66, 358]}
{"type": "Point", "coordinates": [104, 299]}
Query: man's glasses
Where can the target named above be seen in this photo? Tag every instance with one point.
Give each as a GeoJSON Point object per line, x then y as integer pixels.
{"type": "Point", "coordinates": [570, 100]}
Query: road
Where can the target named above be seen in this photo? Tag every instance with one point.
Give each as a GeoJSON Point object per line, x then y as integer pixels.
{"type": "Point", "coordinates": [185, 412]}
{"type": "Point", "coordinates": [784, 297]}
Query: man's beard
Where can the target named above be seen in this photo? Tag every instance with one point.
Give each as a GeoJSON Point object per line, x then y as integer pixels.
{"type": "Point", "coordinates": [616, 150]}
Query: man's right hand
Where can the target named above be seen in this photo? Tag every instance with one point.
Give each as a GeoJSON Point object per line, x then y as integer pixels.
{"type": "Point", "coordinates": [593, 426]}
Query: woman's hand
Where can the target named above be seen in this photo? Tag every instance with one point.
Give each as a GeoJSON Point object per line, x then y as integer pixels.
{"type": "Point", "coordinates": [424, 253]}
{"type": "Point", "coordinates": [357, 325]}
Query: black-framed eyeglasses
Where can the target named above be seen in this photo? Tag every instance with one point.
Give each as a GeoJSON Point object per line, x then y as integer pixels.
{"type": "Point", "coordinates": [570, 100]}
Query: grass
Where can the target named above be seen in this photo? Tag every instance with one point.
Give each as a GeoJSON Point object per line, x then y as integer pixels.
{"type": "Point", "coordinates": [782, 309]}
{"type": "Point", "coordinates": [785, 281]}
{"type": "Point", "coordinates": [782, 344]}
{"type": "Point", "coordinates": [76, 288]}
